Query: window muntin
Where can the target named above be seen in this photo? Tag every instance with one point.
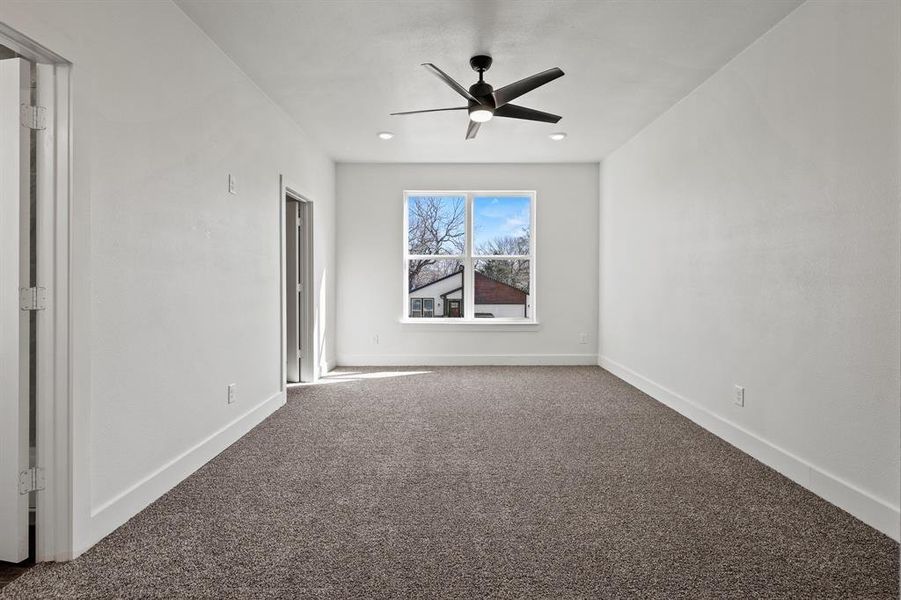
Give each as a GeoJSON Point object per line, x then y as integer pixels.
{"type": "Point", "coordinates": [490, 276]}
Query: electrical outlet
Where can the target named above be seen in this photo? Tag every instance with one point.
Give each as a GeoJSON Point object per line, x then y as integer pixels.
{"type": "Point", "coordinates": [583, 338]}
{"type": "Point", "coordinates": [232, 186]}
{"type": "Point", "coordinates": [232, 392]}
{"type": "Point", "coordinates": [739, 396]}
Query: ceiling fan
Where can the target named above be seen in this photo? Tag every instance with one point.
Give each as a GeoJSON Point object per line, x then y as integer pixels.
{"type": "Point", "coordinates": [486, 102]}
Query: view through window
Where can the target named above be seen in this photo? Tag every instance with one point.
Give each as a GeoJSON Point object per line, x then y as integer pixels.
{"type": "Point", "coordinates": [469, 255]}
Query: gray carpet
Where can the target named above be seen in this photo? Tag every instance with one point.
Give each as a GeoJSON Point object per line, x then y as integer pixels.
{"type": "Point", "coordinates": [487, 482]}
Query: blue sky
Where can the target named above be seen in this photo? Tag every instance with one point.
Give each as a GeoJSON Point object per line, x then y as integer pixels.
{"type": "Point", "coordinates": [499, 216]}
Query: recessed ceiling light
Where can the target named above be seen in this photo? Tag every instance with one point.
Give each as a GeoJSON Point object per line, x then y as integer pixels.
{"type": "Point", "coordinates": [557, 136]}
{"type": "Point", "coordinates": [385, 135]}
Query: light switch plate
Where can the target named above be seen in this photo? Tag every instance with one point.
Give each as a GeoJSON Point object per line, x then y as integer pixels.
{"type": "Point", "coordinates": [232, 186]}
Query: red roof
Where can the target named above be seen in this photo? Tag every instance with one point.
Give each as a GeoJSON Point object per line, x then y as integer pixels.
{"type": "Point", "coordinates": [488, 290]}
{"type": "Point", "coordinates": [491, 291]}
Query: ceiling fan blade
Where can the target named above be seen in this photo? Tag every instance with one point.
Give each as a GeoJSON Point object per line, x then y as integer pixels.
{"type": "Point", "coordinates": [514, 111]}
{"type": "Point", "coordinates": [449, 81]}
{"type": "Point", "coordinates": [415, 112]}
{"type": "Point", "coordinates": [472, 130]}
{"type": "Point", "coordinates": [515, 90]}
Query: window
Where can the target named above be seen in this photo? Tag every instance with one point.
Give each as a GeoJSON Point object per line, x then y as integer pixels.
{"type": "Point", "coordinates": [422, 307]}
{"type": "Point", "coordinates": [469, 256]}
{"type": "Point", "coordinates": [428, 307]}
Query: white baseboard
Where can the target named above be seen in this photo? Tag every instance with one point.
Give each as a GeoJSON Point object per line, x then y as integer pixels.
{"type": "Point", "coordinates": [453, 360]}
{"type": "Point", "coordinates": [869, 509]}
{"type": "Point", "coordinates": [107, 517]}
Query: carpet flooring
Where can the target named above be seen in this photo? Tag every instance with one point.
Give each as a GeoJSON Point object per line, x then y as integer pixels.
{"type": "Point", "coordinates": [480, 482]}
{"type": "Point", "coordinates": [10, 571]}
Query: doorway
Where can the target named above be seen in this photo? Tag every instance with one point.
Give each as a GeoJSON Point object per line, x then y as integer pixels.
{"type": "Point", "coordinates": [299, 351]}
{"type": "Point", "coordinates": [35, 492]}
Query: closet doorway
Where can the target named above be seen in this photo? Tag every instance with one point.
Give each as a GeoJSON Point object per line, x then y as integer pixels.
{"type": "Point", "coordinates": [36, 500]}
{"type": "Point", "coordinates": [299, 350]}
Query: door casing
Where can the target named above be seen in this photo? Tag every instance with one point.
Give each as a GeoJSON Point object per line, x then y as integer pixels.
{"type": "Point", "coordinates": [308, 368]}
{"type": "Point", "coordinates": [58, 443]}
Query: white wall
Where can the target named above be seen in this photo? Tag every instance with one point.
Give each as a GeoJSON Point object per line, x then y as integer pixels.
{"type": "Point", "coordinates": [370, 250]}
{"type": "Point", "coordinates": [178, 281]}
{"type": "Point", "coordinates": [504, 311]}
{"type": "Point", "coordinates": [751, 236]}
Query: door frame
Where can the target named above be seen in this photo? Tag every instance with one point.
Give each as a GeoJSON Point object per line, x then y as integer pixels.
{"type": "Point", "coordinates": [309, 371]}
{"type": "Point", "coordinates": [54, 353]}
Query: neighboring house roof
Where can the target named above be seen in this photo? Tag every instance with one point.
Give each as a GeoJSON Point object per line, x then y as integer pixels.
{"type": "Point", "coordinates": [488, 290]}
{"type": "Point", "coordinates": [431, 283]}
{"type": "Point", "coordinates": [492, 291]}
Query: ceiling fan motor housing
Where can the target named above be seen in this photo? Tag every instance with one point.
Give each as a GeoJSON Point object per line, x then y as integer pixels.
{"type": "Point", "coordinates": [483, 92]}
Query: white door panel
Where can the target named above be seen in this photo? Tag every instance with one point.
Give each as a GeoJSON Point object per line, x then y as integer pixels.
{"type": "Point", "coordinates": [293, 292]}
{"type": "Point", "coordinates": [15, 77]}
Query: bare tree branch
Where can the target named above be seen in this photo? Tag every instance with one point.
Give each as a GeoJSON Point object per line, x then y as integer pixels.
{"type": "Point", "coordinates": [436, 226]}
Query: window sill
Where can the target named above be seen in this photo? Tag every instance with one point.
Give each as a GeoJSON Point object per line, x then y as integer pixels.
{"type": "Point", "coordinates": [475, 325]}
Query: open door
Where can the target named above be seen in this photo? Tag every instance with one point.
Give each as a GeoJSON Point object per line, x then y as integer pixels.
{"type": "Point", "coordinates": [299, 353]}
{"type": "Point", "coordinates": [16, 298]}
{"type": "Point", "coordinates": [294, 289]}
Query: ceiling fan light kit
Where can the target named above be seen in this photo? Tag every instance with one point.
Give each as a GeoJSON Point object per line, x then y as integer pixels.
{"type": "Point", "coordinates": [484, 102]}
{"type": "Point", "coordinates": [480, 115]}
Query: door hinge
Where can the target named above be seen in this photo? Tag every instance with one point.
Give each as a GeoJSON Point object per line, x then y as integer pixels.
{"type": "Point", "coordinates": [34, 117]}
{"type": "Point", "coordinates": [33, 298]}
{"type": "Point", "coordinates": [300, 354]}
{"type": "Point", "coordinates": [299, 287]}
{"type": "Point", "coordinates": [299, 221]}
{"type": "Point", "coordinates": [31, 480]}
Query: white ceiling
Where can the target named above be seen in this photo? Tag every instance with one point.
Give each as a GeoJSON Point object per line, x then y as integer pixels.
{"type": "Point", "coordinates": [339, 67]}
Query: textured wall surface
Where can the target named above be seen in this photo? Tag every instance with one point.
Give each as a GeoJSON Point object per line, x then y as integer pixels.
{"type": "Point", "coordinates": [371, 271]}
{"type": "Point", "coordinates": [177, 291]}
{"type": "Point", "coordinates": [750, 236]}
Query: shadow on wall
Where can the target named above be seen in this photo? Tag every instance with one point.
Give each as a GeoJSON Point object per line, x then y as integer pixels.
{"type": "Point", "coordinates": [350, 376]}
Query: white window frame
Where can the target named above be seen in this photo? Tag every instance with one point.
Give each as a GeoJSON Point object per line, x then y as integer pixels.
{"type": "Point", "coordinates": [469, 258]}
